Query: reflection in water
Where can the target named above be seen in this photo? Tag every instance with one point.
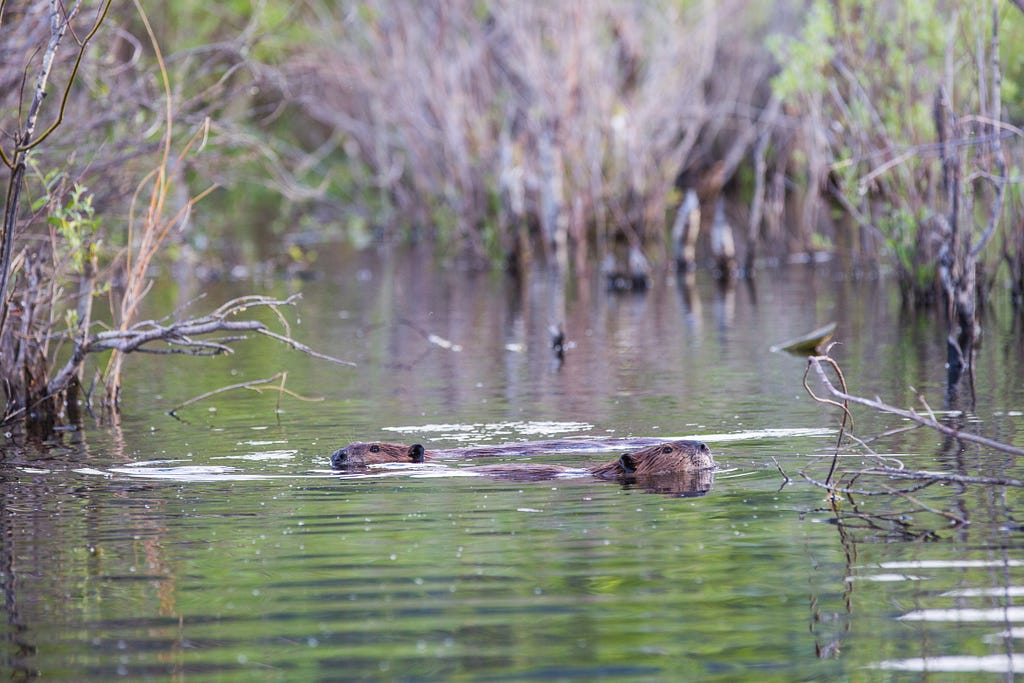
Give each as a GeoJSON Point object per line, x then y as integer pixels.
{"type": "Point", "coordinates": [1008, 663]}
{"type": "Point", "coordinates": [225, 549]}
{"type": "Point", "coordinates": [686, 485]}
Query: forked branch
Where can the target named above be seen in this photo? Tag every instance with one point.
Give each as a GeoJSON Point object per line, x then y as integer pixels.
{"type": "Point", "coordinates": [182, 336]}
{"type": "Point", "coordinates": [816, 362]}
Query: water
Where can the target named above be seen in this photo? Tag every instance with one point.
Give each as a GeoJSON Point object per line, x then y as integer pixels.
{"type": "Point", "coordinates": [221, 547]}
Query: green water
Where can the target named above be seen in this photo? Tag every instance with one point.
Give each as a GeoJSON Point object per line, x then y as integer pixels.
{"type": "Point", "coordinates": [222, 547]}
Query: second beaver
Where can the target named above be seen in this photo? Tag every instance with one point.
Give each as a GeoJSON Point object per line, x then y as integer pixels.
{"type": "Point", "coordinates": [669, 457]}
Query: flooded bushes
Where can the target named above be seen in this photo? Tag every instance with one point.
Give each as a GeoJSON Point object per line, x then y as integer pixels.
{"type": "Point", "coordinates": [504, 127]}
{"type": "Point", "coordinates": [503, 130]}
{"type": "Point", "coordinates": [903, 112]}
{"type": "Point", "coordinates": [57, 254]}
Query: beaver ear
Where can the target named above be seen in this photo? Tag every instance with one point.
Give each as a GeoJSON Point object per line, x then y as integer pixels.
{"type": "Point", "coordinates": [416, 452]}
{"type": "Point", "coordinates": [627, 463]}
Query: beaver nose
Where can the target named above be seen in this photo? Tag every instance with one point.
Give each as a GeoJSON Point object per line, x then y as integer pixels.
{"type": "Point", "coordinates": [339, 458]}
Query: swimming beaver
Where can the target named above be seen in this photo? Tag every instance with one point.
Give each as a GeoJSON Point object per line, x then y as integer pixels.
{"type": "Point", "coordinates": [360, 454]}
{"type": "Point", "coordinates": [669, 457]}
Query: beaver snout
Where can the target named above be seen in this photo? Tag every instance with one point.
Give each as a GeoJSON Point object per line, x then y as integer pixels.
{"type": "Point", "coordinates": [339, 458]}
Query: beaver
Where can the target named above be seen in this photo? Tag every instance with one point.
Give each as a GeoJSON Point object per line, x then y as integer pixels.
{"type": "Point", "coordinates": [663, 458]}
{"type": "Point", "coordinates": [361, 454]}
{"type": "Point", "coordinates": [632, 470]}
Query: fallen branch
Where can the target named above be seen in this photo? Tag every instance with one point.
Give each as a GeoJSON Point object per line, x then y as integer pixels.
{"type": "Point", "coordinates": [877, 404]}
{"type": "Point", "coordinates": [833, 488]}
{"type": "Point", "coordinates": [181, 337]}
{"type": "Point", "coordinates": [852, 483]}
{"type": "Point", "coordinates": [935, 477]}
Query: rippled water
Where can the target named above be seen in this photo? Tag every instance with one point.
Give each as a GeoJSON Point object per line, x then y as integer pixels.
{"type": "Point", "coordinates": [222, 547]}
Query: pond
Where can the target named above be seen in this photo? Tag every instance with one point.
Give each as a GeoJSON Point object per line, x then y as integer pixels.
{"type": "Point", "coordinates": [221, 546]}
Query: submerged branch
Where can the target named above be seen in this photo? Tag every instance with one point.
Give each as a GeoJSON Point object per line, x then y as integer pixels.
{"type": "Point", "coordinates": [877, 404]}
{"type": "Point", "coordinates": [833, 489]}
{"type": "Point", "coordinates": [935, 477]}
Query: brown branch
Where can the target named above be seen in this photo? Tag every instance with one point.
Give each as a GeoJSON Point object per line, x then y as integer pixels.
{"type": "Point", "coordinates": [832, 488]}
{"type": "Point", "coordinates": [182, 334]}
{"type": "Point", "coordinates": [935, 477]}
{"type": "Point", "coordinates": [846, 410]}
{"type": "Point", "coordinates": [785, 476]}
{"type": "Point", "coordinates": [877, 404]}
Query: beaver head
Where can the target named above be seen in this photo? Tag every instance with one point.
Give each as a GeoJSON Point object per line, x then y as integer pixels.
{"type": "Point", "coordinates": [360, 454]}
{"type": "Point", "coordinates": [672, 457]}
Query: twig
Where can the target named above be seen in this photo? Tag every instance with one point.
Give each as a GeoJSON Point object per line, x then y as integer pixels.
{"type": "Point", "coordinates": [935, 477]}
{"type": "Point", "coordinates": [843, 405]}
{"type": "Point", "coordinates": [785, 477]}
{"type": "Point", "coordinates": [182, 336]}
{"type": "Point", "coordinates": [299, 346]}
{"type": "Point", "coordinates": [255, 384]}
{"type": "Point", "coordinates": [947, 515]}
{"type": "Point", "coordinates": [878, 405]}
{"type": "Point", "coordinates": [833, 488]}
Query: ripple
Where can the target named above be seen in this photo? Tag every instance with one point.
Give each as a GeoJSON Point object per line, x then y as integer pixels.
{"type": "Point", "coordinates": [956, 663]}
{"type": "Point", "coordinates": [186, 473]}
{"type": "Point", "coordinates": [484, 430]}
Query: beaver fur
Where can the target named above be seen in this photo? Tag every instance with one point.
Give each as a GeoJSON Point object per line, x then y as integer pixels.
{"type": "Point", "coordinates": [667, 457]}
{"type": "Point", "coordinates": [361, 454]}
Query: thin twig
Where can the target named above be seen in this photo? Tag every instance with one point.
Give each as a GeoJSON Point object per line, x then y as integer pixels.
{"type": "Point", "coordinates": [256, 384]}
{"type": "Point", "coordinates": [833, 488]}
{"type": "Point", "coordinates": [941, 513]}
{"type": "Point", "coordinates": [878, 405]}
{"type": "Point", "coordinates": [785, 477]}
{"type": "Point", "coordinates": [299, 346]}
{"type": "Point", "coordinates": [935, 477]}
{"type": "Point", "coordinates": [846, 410]}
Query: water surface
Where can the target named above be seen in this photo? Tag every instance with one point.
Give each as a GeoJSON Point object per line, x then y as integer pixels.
{"type": "Point", "coordinates": [221, 546]}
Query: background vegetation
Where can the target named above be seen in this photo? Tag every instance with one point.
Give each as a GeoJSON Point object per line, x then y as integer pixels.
{"type": "Point", "coordinates": [502, 132]}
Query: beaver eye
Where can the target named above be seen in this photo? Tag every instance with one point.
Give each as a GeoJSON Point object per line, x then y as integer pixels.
{"type": "Point", "coordinates": [666, 449]}
{"type": "Point", "coordinates": [374, 448]}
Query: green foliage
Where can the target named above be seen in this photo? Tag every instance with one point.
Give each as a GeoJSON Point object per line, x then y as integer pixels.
{"type": "Point", "coordinates": [78, 226]}
{"type": "Point", "coordinates": [807, 58]}
{"type": "Point", "coordinates": [902, 228]}
{"type": "Point", "coordinates": [867, 74]}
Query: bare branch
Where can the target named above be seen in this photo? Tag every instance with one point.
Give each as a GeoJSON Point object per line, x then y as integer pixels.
{"type": "Point", "coordinates": [894, 473]}
{"type": "Point", "coordinates": [864, 492]}
{"type": "Point", "coordinates": [877, 404]}
{"type": "Point", "coordinates": [181, 336]}
{"type": "Point", "coordinates": [298, 346]}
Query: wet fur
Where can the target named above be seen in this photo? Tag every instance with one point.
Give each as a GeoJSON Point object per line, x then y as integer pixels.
{"type": "Point", "coordinates": [671, 457]}
{"type": "Point", "coordinates": [362, 454]}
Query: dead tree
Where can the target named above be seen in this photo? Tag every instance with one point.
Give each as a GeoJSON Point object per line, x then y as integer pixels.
{"type": "Point", "coordinates": [958, 256]}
